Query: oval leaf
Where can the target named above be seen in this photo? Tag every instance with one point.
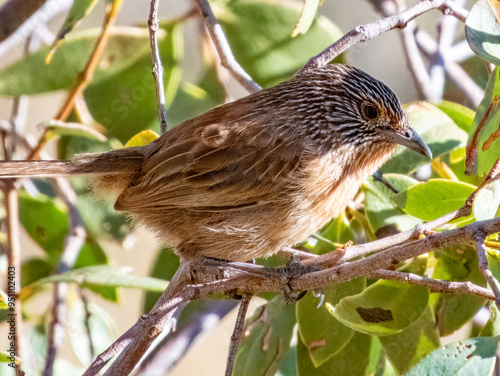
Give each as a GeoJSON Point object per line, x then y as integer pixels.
{"type": "Point", "coordinates": [31, 75]}
{"type": "Point", "coordinates": [323, 344]}
{"type": "Point", "coordinates": [371, 312]}
{"type": "Point", "coordinates": [142, 138]}
{"type": "Point", "coordinates": [353, 359]}
{"type": "Point", "coordinates": [482, 30]}
{"type": "Point", "coordinates": [258, 32]}
{"type": "Point", "coordinates": [483, 144]}
{"type": "Point", "coordinates": [434, 198]}
{"type": "Point", "coordinates": [471, 357]}
{"type": "Point", "coordinates": [486, 201]}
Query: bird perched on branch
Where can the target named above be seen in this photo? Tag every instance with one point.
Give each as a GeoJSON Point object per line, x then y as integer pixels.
{"type": "Point", "coordinates": [251, 177]}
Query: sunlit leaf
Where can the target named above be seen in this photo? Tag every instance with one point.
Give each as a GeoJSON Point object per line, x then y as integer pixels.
{"type": "Point", "coordinates": [483, 144]}
{"type": "Point", "coordinates": [470, 357]}
{"type": "Point", "coordinates": [461, 115]}
{"type": "Point", "coordinates": [434, 198]}
{"type": "Point", "coordinates": [482, 30]}
{"type": "Point", "coordinates": [142, 138]}
{"type": "Point", "coordinates": [307, 15]}
{"type": "Point", "coordinates": [486, 201]}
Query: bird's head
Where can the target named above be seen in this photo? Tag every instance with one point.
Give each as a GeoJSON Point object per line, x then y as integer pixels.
{"type": "Point", "coordinates": [360, 109]}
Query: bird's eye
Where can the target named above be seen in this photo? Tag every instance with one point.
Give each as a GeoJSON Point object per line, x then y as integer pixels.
{"type": "Point", "coordinates": [370, 112]}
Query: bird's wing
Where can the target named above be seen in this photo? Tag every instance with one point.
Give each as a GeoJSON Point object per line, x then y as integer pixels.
{"type": "Point", "coordinates": [216, 167]}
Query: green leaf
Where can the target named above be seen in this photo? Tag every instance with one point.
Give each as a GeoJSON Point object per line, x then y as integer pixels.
{"type": "Point", "coordinates": [266, 340]}
{"type": "Point", "coordinates": [79, 9]}
{"type": "Point", "coordinates": [434, 198]}
{"type": "Point", "coordinates": [384, 216]}
{"type": "Point", "coordinates": [471, 357]}
{"type": "Point", "coordinates": [338, 230]}
{"type": "Point", "coordinates": [407, 348]}
{"type": "Point", "coordinates": [258, 32]}
{"type": "Point", "coordinates": [452, 311]}
{"type": "Point", "coordinates": [461, 115]}
{"type": "Point", "coordinates": [142, 138]}
{"type": "Point", "coordinates": [323, 344]}
{"type": "Point", "coordinates": [31, 75]}
{"type": "Point", "coordinates": [309, 10]}
{"type": "Point", "coordinates": [103, 275]}
{"type": "Point", "coordinates": [34, 269]}
{"type": "Point", "coordinates": [45, 220]}
{"type": "Point", "coordinates": [492, 327]}
{"type": "Point", "coordinates": [4, 298]}
{"type": "Point", "coordinates": [371, 312]}
{"type": "Point", "coordinates": [353, 359]}
{"type": "Point", "coordinates": [486, 201]}
{"type": "Point", "coordinates": [483, 144]}
{"type": "Point", "coordinates": [437, 129]}
{"type": "Point", "coordinates": [6, 358]}
{"type": "Point", "coordinates": [482, 30]}
{"type": "Point", "coordinates": [125, 102]}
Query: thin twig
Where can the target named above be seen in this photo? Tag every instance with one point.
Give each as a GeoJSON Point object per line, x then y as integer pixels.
{"type": "Point", "coordinates": [238, 329]}
{"type": "Point", "coordinates": [435, 285]}
{"type": "Point", "coordinates": [87, 321]}
{"type": "Point", "coordinates": [226, 56]}
{"type": "Point", "coordinates": [157, 66]}
{"type": "Point", "coordinates": [456, 73]}
{"type": "Point", "coordinates": [418, 69]}
{"type": "Point", "coordinates": [369, 31]}
{"type": "Point", "coordinates": [479, 238]}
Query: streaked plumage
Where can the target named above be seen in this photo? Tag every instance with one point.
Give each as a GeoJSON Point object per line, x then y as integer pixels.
{"type": "Point", "coordinates": [251, 177]}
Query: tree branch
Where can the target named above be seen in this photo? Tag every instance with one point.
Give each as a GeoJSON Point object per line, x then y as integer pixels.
{"type": "Point", "coordinates": [369, 31]}
{"type": "Point", "coordinates": [157, 66]}
{"type": "Point", "coordinates": [226, 56]}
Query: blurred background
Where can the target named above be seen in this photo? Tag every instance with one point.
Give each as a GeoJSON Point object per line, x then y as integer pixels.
{"type": "Point", "coordinates": [381, 57]}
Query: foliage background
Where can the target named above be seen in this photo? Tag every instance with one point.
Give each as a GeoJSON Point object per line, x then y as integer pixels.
{"type": "Point", "coordinates": [382, 57]}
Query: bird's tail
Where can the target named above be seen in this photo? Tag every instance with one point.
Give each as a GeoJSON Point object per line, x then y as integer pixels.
{"type": "Point", "coordinates": [110, 171]}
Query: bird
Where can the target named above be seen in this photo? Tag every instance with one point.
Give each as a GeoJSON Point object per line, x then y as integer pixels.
{"type": "Point", "coordinates": [254, 176]}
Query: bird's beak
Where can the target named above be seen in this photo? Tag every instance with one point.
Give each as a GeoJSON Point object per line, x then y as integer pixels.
{"type": "Point", "coordinates": [412, 140]}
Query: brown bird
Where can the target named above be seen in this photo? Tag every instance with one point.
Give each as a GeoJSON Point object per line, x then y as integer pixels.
{"type": "Point", "coordinates": [251, 177]}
